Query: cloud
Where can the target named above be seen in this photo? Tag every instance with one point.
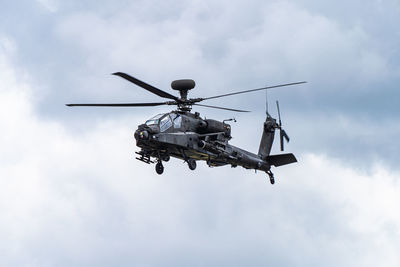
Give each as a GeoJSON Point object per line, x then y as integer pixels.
{"type": "Point", "coordinates": [42, 197]}
{"type": "Point", "coordinates": [72, 194]}
{"type": "Point", "coordinates": [281, 40]}
{"type": "Point", "coordinates": [50, 5]}
{"type": "Point", "coordinates": [72, 197]}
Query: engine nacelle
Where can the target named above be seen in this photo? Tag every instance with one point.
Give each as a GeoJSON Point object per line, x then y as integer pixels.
{"type": "Point", "coordinates": [209, 147]}
{"type": "Point", "coordinates": [214, 126]}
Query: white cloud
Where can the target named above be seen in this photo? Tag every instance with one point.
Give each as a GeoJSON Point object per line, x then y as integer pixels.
{"type": "Point", "coordinates": [280, 41]}
{"type": "Point", "coordinates": [365, 202]}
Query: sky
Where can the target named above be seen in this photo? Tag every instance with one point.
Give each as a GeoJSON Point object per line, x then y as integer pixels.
{"type": "Point", "coordinates": [72, 194]}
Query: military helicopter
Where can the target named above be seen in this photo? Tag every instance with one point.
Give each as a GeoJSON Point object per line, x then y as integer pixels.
{"type": "Point", "coordinates": [185, 135]}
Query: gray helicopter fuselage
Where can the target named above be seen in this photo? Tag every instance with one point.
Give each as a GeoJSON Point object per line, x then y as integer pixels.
{"type": "Point", "coordinates": [186, 136]}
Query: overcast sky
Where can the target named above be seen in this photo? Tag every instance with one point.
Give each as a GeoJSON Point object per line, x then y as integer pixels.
{"type": "Point", "coordinates": [71, 193]}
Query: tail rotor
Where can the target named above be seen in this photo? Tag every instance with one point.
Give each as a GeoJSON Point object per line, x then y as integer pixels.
{"type": "Point", "coordinates": [282, 133]}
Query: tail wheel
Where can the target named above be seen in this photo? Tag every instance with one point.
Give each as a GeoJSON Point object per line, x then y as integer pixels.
{"type": "Point", "coordinates": [272, 179]}
{"type": "Point", "coordinates": [192, 164]}
{"type": "Point", "coordinates": [159, 168]}
{"type": "Point", "coordinates": [271, 176]}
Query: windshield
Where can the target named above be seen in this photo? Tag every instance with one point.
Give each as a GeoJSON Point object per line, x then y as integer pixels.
{"type": "Point", "coordinates": [154, 120]}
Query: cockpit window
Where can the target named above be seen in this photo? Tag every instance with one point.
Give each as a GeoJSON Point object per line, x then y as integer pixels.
{"type": "Point", "coordinates": [165, 123]}
{"type": "Point", "coordinates": [177, 121]}
{"type": "Point", "coordinates": [154, 120]}
{"type": "Point", "coordinates": [173, 116]}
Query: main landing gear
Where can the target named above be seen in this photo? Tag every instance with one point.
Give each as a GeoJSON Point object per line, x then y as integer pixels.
{"type": "Point", "coordinates": [159, 167]}
{"type": "Point", "coordinates": [271, 177]}
{"type": "Point", "coordinates": [192, 164]}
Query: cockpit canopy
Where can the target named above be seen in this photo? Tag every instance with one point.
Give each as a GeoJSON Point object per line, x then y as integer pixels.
{"type": "Point", "coordinates": [154, 120]}
{"type": "Point", "coordinates": [165, 121]}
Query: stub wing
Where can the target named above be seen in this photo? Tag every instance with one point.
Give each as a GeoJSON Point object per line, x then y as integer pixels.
{"type": "Point", "coordinates": [281, 159]}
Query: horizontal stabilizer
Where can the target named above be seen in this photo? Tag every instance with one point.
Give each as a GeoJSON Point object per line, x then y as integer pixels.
{"type": "Point", "coordinates": [282, 159]}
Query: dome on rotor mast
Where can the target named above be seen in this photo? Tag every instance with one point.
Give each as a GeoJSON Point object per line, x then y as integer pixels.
{"type": "Point", "coordinates": [183, 85]}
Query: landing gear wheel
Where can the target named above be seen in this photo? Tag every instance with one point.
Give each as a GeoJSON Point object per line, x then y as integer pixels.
{"type": "Point", "coordinates": [192, 164]}
{"type": "Point", "coordinates": [159, 168]}
{"type": "Point", "coordinates": [166, 158]}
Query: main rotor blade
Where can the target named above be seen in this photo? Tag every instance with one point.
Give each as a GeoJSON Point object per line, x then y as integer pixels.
{"type": "Point", "coordinates": [230, 109]}
{"type": "Point", "coordinates": [119, 105]}
{"type": "Point", "coordinates": [252, 90]}
{"type": "Point", "coordinates": [146, 86]}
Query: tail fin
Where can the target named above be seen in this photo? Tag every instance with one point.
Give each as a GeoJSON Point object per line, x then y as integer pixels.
{"type": "Point", "coordinates": [281, 159]}
{"type": "Point", "coordinates": [267, 137]}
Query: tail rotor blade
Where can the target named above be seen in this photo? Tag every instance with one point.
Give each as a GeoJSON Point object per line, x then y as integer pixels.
{"type": "Point", "coordinates": [285, 135]}
{"type": "Point", "coordinates": [279, 113]}
{"type": "Point", "coordinates": [282, 133]}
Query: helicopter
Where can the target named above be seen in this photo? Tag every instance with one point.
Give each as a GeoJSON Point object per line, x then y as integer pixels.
{"type": "Point", "coordinates": [187, 136]}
